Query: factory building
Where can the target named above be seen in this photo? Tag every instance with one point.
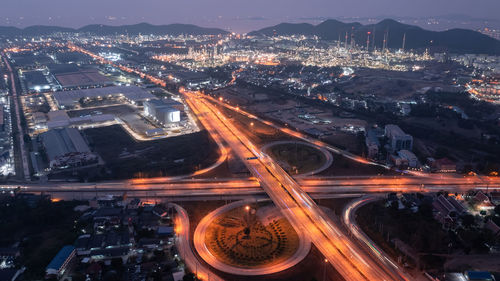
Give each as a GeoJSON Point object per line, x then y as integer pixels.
{"type": "Point", "coordinates": [66, 148]}
{"type": "Point", "coordinates": [162, 111]}
{"type": "Point", "coordinates": [131, 94]}
{"type": "Point", "coordinates": [35, 81]}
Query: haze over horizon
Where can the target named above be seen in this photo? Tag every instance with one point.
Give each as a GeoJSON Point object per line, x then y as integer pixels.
{"type": "Point", "coordinates": [239, 16]}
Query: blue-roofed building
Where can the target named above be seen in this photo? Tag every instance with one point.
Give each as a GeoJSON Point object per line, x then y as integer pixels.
{"type": "Point", "coordinates": [59, 263]}
{"type": "Point", "coordinates": [165, 231]}
{"type": "Point", "coordinates": [479, 276]}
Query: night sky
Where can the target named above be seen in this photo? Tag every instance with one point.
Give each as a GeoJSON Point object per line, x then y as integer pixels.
{"type": "Point", "coordinates": [238, 15]}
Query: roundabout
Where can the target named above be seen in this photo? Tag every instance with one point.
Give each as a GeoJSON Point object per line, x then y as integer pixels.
{"type": "Point", "coordinates": [249, 238]}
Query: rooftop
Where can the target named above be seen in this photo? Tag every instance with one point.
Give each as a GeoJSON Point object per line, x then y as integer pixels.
{"type": "Point", "coordinates": [134, 93]}
{"type": "Point", "coordinates": [394, 130]}
{"type": "Point", "coordinates": [61, 257]}
{"type": "Point", "coordinates": [59, 142]}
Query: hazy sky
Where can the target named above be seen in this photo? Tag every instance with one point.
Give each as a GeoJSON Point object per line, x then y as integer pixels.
{"type": "Point", "coordinates": [235, 14]}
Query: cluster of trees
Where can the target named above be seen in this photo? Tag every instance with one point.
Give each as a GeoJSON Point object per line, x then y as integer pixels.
{"type": "Point", "coordinates": [42, 229]}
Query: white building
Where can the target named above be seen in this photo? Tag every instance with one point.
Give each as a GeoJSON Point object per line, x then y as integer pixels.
{"type": "Point", "coordinates": [162, 112]}
{"type": "Point", "coordinates": [398, 139]}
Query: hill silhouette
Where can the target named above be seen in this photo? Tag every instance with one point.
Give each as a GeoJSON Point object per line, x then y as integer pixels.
{"type": "Point", "coordinates": [100, 29]}
{"type": "Point", "coordinates": [453, 40]}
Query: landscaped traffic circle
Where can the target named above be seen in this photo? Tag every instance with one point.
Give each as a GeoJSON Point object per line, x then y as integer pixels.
{"type": "Point", "coordinates": [249, 239]}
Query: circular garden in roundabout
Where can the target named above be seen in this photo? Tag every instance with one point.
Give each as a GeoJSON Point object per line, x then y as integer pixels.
{"type": "Point", "coordinates": [249, 239]}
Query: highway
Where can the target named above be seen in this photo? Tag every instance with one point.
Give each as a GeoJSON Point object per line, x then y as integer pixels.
{"type": "Point", "coordinates": [226, 187]}
{"type": "Point", "coordinates": [316, 142]}
{"type": "Point", "coordinates": [295, 204]}
{"type": "Point", "coordinates": [20, 135]}
{"type": "Point", "coordinates": [183, 244]}
{"type": "Point", "coordinates": [317, 184]}
{"type": "Point", "coordinates": [350, 260]}
{"type": "Point", "coordinates": [300, 135]}
{"type": "Point", "coordinates": [349, 220]}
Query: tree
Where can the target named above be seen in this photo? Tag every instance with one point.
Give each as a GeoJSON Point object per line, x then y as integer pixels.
{"type": "Point", "coordinates": [468, 220]}
{"type": "Point", "coordinates": [497, 210]}
{"type": "Point", "coordinates": [441, 152]}
{"type": "Point", "coordinates": [189, 276]}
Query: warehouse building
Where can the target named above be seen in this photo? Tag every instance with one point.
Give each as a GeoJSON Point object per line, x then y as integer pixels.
{"type": "Point", "coordinates": [66, 148]}
{"type": "Point", "coordinates": [82, 79]}
{"type": "Point", "coordinates": [36, 81]}
{"type": "Point", "coordinates": [131, 94]}
{"type": "Point", "coordinates": [162, 112]}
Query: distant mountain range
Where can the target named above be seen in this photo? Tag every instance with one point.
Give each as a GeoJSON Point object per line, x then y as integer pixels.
{"type": "Point", "coordinates": [453, 40]}
{"type": "Point", "coordinates": [99, 29]}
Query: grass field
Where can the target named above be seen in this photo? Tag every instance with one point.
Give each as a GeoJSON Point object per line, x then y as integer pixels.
{"type": "Point", "coordinates": [126, 158]}
{"type": "Point", "coordinates": [297, 158]}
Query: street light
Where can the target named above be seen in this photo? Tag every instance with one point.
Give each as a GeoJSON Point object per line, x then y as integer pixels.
{"type": "Point", "coordinates": [324, 269]}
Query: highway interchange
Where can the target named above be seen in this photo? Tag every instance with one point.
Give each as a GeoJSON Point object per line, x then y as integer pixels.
{"type": "Point", "coordinates": [354, 257]}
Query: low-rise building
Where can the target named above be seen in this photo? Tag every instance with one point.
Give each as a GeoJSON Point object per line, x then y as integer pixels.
{"type": "Point", "coordinates": [447, 210]}
{"type": "Point", "coordinates": [66, 148]}
{"type": "Point", "coordinates": [10, 274]}
{"type": "Point", "coordinates": [60, 262]}
{"type": "Point", "coordinates": [372, 143]}
{"type": "Point", "coordinates": [40, 120]}
{"type": "Point", "coordinates": [398, 139]}
{"type": "Point", "coordinates": [445, 165]}
{"type": "Point", "coordinates": [410, 158]}
{"type": "Point", "coordinates": [479, 276]}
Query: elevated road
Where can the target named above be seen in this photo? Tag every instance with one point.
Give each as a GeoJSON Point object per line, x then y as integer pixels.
{"type": "Point", "coordinates": [298, 207]}
{"type": "Point", "coordinates": [300, 135]}
{"type": "Point", "coordinates": [183, 244]}
{"type": "Point", "coordinates": [183, 187]}
{"type": "Point", "coordinates": [352, 262]}
{"type": "Point", "coordinates": [348, 218]}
